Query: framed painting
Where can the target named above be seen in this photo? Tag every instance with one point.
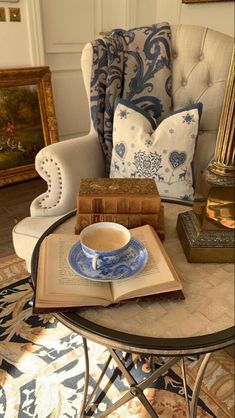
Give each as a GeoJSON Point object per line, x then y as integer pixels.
{"type": "Point", "coordinates": [27, 121]}
{"type": "Point", "coordinates": [204, 1]}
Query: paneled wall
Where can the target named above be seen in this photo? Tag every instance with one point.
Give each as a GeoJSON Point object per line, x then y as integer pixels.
{"type": "Point", "coordinates": [218, 15]}
{"type": "Point", "coordinates": [67, 27]}
{"type": "Point", "coordinates": [17, 39]}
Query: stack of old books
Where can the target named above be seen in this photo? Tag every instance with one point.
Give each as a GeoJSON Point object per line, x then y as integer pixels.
{"type": "Point", "coordinates": [130, 202]}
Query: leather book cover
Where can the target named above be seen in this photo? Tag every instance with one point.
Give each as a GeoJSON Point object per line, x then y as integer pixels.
{"type": "Point", "coordinates": [133, 220]}
{"type": "Point", "coordinates": [105, 195]}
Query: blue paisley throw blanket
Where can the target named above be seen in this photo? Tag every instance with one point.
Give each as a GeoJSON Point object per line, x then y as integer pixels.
{"type": "Point", "coordinates": [135, 65]}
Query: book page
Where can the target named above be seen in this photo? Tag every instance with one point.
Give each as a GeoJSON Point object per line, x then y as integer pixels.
{"type": "Point", "coordinates": [158, 275]}
{"type": "Point", "coordinates": [57, 284]}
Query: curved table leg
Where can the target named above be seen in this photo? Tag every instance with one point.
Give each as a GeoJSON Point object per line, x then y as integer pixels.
{"type": "Point", "coordinates": [183, 371]}
{"type": "Point", "coordinates": [137, 389]}
{"type": "Point", "coordinates": [86, 378]}
{"type": "Point", "coordinates": [197, 385]}
{"type": "Point", "coordinates": [98, 382]}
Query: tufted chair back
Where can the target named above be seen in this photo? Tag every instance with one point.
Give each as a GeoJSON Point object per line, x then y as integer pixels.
{"type": "Point", "coordinates": [201, 59]}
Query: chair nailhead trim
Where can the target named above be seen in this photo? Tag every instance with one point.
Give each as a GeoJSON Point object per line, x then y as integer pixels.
{"type": "Point", "coordinates": [49, 182]}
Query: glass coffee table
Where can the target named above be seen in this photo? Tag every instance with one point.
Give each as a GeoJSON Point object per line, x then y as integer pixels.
{"type": "Point", "coordinates": [198, 325]}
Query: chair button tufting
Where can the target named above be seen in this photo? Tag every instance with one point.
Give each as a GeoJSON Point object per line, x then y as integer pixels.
{"type": "Point", "coordinates": [174, 55]}
{"type": "Point", "coordinates": [183, 83]}
{"type": "Point", "coordinates": [201, 57]}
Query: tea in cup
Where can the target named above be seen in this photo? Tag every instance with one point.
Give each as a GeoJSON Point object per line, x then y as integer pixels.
{"type": "Point", "coordinates": [104, 243]}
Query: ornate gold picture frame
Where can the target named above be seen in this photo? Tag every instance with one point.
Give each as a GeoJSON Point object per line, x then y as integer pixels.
{"type": "Point", "coordinates": [27, 121]}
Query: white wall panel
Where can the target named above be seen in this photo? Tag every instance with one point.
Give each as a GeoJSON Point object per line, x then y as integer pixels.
{"type": "Point", "coordinates": [67, 27]}
{"type": "Point", "coordinates": [64, 62]}
{"type": "Point", "coordinates": [15, 44]}
{"type": "Point", "coordinates": [68, 24]}
{"type": "Point", "coordinates": [168, 11]}
{"type": "Point", "coordinates": [218, 16]}
{"type": "Point", "coordinates": [70, 103]}
{"type": "Point", "coordinates": [35, 36]}
{"type": "Point", "coordinates": [118, 14]}
{"type": "Point", "coordinates": [146, 12]}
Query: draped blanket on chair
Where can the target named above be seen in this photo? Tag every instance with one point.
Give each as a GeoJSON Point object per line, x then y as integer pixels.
{"type": "Point", "coordinates": [133, 64]}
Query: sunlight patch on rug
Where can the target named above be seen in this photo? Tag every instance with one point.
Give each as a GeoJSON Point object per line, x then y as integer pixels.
{"type": "Point", "coordinates": [42, 366]}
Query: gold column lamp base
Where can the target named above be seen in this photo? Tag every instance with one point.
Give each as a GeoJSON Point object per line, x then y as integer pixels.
{"type": "Point", "coordinates": [204, 246]}
{"type": "Point", "coordinates": [207, 232]}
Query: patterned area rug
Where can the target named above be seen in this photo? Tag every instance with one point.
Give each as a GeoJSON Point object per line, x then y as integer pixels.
{"type": "Point", "coordinates": [42, 367]}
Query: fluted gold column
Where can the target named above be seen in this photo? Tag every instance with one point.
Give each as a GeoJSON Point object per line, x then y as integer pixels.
{"type": "Point", "coordinates": [207, 232]}
{"type": "Point", "coordinates": [224, 160]}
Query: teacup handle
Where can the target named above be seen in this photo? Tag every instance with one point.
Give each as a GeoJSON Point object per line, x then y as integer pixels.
{"type": "Point", "coordinates": [94, 262]}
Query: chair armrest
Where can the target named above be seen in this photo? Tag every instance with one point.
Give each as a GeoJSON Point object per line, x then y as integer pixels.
{"type": "Point", "coordinates": [62, 165]}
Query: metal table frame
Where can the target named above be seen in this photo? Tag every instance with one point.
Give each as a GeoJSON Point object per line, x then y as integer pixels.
{"type": "Point", "coordinates": [174, 348]}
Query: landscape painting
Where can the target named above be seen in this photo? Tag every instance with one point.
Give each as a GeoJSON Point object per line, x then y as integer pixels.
{"type": "Point", "coordinates": [20, 126]}
{"type": "Point", "coordinates": [27, 121]}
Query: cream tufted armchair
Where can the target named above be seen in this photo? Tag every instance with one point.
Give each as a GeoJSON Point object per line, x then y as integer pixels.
{"type": "Point", "coordinates": [201, 59]}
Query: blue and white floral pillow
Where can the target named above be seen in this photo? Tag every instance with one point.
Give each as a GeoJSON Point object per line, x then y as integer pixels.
{"type": "Point", "coordinates": [164, 152]}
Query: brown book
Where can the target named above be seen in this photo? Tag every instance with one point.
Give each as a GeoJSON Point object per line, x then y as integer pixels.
{"type": "Point", "coordinates": [59, 288]}
{"type": "Point", "coordinates": [105, 195]}
{"type": "Point", "coordinates": [129, 220]}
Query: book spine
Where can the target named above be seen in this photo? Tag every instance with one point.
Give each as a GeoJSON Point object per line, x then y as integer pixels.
{"type": "Point", "coordinates": [127, 220]}
{"type": "Point", "coordinates": [119, 204]}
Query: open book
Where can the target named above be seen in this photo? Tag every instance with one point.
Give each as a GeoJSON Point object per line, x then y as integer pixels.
{"type": "Point", "coordinates": [58, 287]}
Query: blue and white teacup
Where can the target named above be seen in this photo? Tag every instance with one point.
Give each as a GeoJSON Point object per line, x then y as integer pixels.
{"type": "Point", "coordinates": [104, 243]}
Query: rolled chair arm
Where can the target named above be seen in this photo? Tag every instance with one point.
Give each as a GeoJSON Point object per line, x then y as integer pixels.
{"type": "Point", "coordinates": [62, 165]}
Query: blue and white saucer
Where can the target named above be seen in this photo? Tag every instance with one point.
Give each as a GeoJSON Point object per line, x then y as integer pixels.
{"type": "Point", "coordinates": [132, 261]}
